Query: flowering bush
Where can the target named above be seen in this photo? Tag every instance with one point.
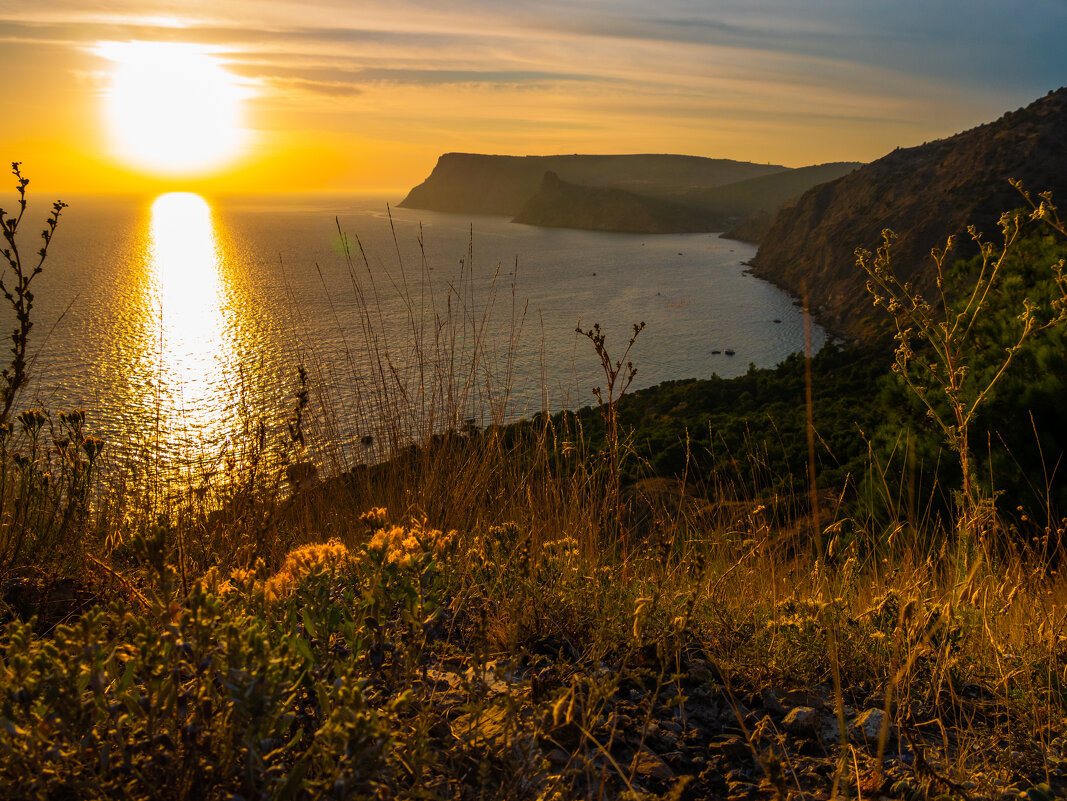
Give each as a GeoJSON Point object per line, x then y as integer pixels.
{"type": "Point", "coordinates": [325, 557]}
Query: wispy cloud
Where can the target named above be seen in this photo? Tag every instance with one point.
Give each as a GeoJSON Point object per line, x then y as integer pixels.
{"type": "Point", "coordinates": [262, 68]}
{"type": "Point", "coordinates": [977, 44]}
{"type": "Point", "coordinates": [783, 80]}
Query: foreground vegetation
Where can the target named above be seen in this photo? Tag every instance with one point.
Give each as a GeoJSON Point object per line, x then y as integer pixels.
{"type": "Point", "coordinates": [646, 599]}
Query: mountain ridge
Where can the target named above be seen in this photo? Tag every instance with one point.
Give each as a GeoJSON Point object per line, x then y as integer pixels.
{"type": "Point", "coordinates": [924, 193]}
{"type": "Point", "coordinates": [472, 183]}
{"type": "Point", "coordinates": [635, 193]}
{"type": "Point", "coordinates": [560, 204]}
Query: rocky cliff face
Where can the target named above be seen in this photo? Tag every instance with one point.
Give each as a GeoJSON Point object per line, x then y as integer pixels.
{"type": "Point", "coordinates": [465, 183]}
{"type": "Point", "coordinates": [763, 196]}
{"type": "Point", "coordinates": [923, 193]}
{"type": "Point", "coordinates": [752, 229]}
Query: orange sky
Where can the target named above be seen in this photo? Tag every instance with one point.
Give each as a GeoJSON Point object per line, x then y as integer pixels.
{"type": "Point", "coordinates": [337, 95]}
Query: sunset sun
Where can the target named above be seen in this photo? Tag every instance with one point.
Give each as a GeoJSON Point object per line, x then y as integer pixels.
{"type": "Point", "coordinates": [172, 108]}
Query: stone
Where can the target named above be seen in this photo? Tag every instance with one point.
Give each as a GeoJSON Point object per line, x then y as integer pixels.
{"type": "Point", "coordinates": [699, 672]}
{"type": "Point", "coordinates": [801, 720]}
{"type": "Point", "coordinates": [867, 727]}
{"type": "Point", "coordinates": [557, 756]}
{"type": "Point", "coordinates": [732, 747]}
{"type": "Point", "coordinates": [484, 728]}
{"type": "Point", "coordinates": [830, 730]}
{"type": "Point", "coordinates": [803, 698]}
{"type": "Point", "coordinates": [649, 766]}
{"type": "Point", "coordinates": [771, 702]}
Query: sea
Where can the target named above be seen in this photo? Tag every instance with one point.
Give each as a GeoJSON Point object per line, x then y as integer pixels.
{"type": "Point", "coordinates": [193, 330]}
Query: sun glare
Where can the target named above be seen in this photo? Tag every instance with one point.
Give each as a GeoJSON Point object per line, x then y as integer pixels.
{"type": "Point", "coordinates": [195, 345]}
{"type": "Point", "coordinates": [172, 108]}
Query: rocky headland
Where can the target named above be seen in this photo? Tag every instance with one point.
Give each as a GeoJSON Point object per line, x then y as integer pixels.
{"type": "Point", "coordinates": [924, 194]}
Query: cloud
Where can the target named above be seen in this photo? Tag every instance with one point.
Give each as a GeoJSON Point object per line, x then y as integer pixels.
{"type": "Point", "coordinates": [987, 44]}
{"type": "Point", "coordinates": [263, 67]}
{"type": "Point", "coordinates": [687, 64]}
{"type": "Point", "coordinates": [327, 88]}
{"type": "Point", "coordinates": [442, 76]}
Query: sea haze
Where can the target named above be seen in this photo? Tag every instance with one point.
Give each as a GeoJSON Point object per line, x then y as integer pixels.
{"type": "Point", "coordinates": [178, 324]}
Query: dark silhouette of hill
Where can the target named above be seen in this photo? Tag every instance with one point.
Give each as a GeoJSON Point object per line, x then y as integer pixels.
{"type": "Point", "coordinates": [559, 204]}
{"type": "Point", "coordinates": [923, 193]}
{"type": "Point", "coordinates": [735, 203]}
{"type": "Point", "coordinates": [752, 229]}
{"type": "Point", "coordinates": [758, 199]}
{"type": "Point", "coordinates": [469, 183]}
{"type": "Point", "coordinates": [631, 193]}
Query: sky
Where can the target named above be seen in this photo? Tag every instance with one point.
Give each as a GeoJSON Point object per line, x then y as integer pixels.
{"type": "Point", "coordinates": [352, 96]}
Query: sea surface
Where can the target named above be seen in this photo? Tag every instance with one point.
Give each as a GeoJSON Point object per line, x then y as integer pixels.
{"type": "Point", "coordinates": [180, 322]}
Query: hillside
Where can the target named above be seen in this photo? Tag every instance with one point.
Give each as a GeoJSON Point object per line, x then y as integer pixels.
{"type": "Point", "coordinates": [470, 183]}
{"type": "Point", "coordinates": [678, 594]}
{"type": "Point", "coordinates": [559, 204]}
{"type": "Point", "coordinates": [923, 193]}
{"type": "Point", "coordinates": [745, 207]}
{"type": "Point", "coordinates": [758, 198]}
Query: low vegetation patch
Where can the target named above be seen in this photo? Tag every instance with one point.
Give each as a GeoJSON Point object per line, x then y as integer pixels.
{"type": "Point", "coordinates": [645, 599]}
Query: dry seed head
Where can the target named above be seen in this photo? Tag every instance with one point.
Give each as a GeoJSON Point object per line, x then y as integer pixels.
{"type": "Point", "coordinates": [907, 612]}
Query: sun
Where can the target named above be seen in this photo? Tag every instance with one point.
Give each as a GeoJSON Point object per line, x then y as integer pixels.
{"type": "Point", "coordinates": [172, 108]}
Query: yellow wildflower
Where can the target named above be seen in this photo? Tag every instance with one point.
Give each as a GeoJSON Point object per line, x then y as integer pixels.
{"type": "Point", "coordinates": [320, 557]}
{"type": "Point", "coordinates": [399, 545]}
{"type": "Point", "coordinates": [444, 543]}
{"type": "Point", "coordinates": [375, 516]}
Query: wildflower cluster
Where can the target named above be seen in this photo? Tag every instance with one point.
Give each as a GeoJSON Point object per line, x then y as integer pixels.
{"type": "Point", "coordinates": [324, 557]}
{"type": "Point", "coordinates": [802, 616]}
{"type": "Point", "coordinates": [375, 517]}
{"type": "Point", "coordinates": [562, 555]}
{"type": "Point", "coordinates": [618, 380]}
{"type": "Point", "coordinates": [228, 699]}
{"type": "Point", "coordinates": [506, 552]}
{"type": "Point", "coordinates": [404, 547]}
{"type": "Point", "coordinates": [951, 352]}
{"type": "Point", "coordinates": [240, 580]}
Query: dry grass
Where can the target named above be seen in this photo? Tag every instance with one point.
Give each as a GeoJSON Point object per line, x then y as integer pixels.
{"type": "Point", "coordinates": [580, 628]}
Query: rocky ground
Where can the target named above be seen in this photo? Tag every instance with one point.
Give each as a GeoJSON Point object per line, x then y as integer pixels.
{"type": "Point", "coordinates": [545, 722]}
{"type": "Point", "coordinates": [597, 733]}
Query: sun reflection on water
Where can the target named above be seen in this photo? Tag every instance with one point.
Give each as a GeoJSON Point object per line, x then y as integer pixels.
{"type": "Point", "coordinates": [193, 343]}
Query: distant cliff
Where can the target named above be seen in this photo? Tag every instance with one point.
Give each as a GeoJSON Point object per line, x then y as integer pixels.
{"type": "Point", "coordinates": [750, 205]}
{"type": "Point", "coordinates": [634, 193]}
{"type": "Point", "coordinates": [746, 208]}
{"type": "Point", "coordinates": [558, 204]}
{"type": "Point", "coordinates": [923, 193]}
{"type": "Point", "coordinates": [752, 229]}
{"type": "Point", "coordinates": [468, 183]}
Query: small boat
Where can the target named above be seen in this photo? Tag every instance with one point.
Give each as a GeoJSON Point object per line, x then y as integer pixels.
{"type": "Point", "coordinates": [728, 352]}
{"type": "Point", "coordinates": [716, 352]}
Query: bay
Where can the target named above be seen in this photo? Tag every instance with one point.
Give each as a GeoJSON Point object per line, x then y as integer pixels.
{"type": "Point", "coordinates": [179, 323]}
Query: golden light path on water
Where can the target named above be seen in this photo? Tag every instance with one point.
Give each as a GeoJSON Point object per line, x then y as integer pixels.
{"type": "Point", "coordinates": [191, 320]}
{"type": "Point", "coordinates": [194, 352]}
